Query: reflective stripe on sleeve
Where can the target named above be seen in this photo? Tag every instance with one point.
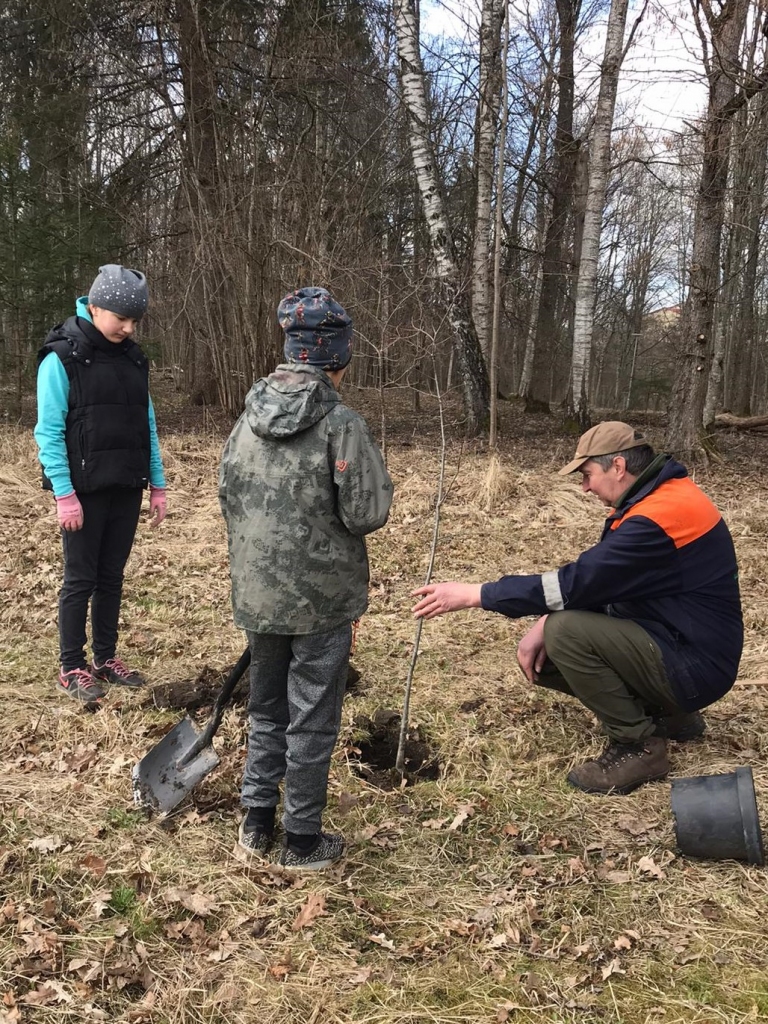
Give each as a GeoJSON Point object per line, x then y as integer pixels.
{"type": "Point", "coordinates": [553, 595]}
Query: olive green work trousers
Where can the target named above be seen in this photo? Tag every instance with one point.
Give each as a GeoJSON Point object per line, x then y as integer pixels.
{"type": "Point", "coordinates": [613, 666]}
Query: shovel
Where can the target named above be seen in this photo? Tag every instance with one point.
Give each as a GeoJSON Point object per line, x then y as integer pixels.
{"type": "Point", "coordinates": [184, 756]}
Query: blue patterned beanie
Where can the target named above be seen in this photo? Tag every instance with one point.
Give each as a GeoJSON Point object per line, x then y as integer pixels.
{"type": "Point", "coordinates": [318, 331]}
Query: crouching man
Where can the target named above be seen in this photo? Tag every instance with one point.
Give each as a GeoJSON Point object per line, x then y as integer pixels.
{"type": "Point", "coordinates": [301, 483]}
{"type": "Point", "coordinates": [644, 628]}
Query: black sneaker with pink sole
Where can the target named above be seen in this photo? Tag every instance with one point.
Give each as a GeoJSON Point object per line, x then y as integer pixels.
{"type": "Point", "coordinates": [116, 672]}
{"type": "Point", "coordinates": [79, 684]}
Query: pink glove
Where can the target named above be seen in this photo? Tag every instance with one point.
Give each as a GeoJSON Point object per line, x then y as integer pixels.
{"type": "Point", "coordinates": [69, 512]}
{"type": "Point", "coordinates": [157, 505]}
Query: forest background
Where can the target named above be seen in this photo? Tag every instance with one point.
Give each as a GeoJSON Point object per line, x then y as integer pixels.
{"type": "Point", "coordinates": [501, 216]}
{"type": "Point", "coordinates": [495, 222]}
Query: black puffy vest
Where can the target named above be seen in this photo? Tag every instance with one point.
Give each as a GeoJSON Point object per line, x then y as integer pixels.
{"type": "Point", "coordinates": [107, 428]}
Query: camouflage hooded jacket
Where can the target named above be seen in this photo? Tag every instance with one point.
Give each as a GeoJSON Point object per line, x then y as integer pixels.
{"type": "Point", "coordinates": [301, 483]}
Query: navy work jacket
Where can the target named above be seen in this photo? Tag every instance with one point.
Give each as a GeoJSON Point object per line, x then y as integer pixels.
{"type": "Point", "coordinates": [665, 560]}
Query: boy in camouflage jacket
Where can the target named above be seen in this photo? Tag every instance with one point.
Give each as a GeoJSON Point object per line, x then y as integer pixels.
{"type": "Point", "coordinates": [302, 482]}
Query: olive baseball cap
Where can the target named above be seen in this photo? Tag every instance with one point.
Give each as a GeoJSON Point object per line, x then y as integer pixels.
{"type": "Point", "coordinates": [604, 439]}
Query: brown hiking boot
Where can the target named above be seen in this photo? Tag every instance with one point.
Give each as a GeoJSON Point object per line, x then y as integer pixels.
{"type": "Point", "coordinates": [623, 767]}
{"type": "Point", "coordinates": [688, 725]}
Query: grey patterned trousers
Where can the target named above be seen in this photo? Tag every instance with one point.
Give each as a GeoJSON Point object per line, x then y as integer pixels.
{"type": "Point", "coordinates": [297, 688]}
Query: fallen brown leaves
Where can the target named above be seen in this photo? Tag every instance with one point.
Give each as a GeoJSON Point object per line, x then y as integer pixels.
{"type": "Point", "coordinates": [46, 844]}
{"type": "Point", "coordinates": [196, 902]}
{"type": "Point", "coordinates": [9, 1011]}
{"type": "Point", "coordinates": [55, 979]}
{"type": "Point", "coordinates": [464, 812]}
{"type": "Point", "coordinates": [312, 909]}
{"type": "Point", "coordinates": [97, 866]}
{"type": "Point", "coordinates": [545, 904]}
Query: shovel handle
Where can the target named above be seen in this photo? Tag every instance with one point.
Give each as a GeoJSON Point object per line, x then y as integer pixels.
{"type": "Point", "coordinates": [222, 700]}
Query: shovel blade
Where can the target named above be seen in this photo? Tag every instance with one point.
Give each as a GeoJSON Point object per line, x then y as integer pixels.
{"type": "Point", "coordinates": [159, 783]}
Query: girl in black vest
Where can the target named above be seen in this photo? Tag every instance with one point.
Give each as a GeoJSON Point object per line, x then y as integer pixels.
{"type": "Point", "coordinates": [98, 446]}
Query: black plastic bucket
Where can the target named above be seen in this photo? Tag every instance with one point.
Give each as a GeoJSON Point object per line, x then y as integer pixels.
{"type": "Point", "coordinates": [716, 817]}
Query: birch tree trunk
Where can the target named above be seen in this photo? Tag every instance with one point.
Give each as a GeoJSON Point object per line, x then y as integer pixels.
{"type": "Point", "coordinates": [526, 374]}
{"type": "Point", "coordinates": [499, 219]}
{"type": "Point", "coordinates": [474, 375]}
{"type": "Point", "coordinates": [599, 164]}
{"type": "Point", "coordinates": [492, 18]}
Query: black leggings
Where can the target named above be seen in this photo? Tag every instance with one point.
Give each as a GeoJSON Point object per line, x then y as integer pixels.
{"type": "Point", "coordinates": [94, 559]}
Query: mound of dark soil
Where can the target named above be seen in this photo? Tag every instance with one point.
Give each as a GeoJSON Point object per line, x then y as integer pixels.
{"type": "Point", "coordinates": [191, 694]}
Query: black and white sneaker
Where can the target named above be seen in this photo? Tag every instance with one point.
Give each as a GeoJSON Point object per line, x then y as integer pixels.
{"type": "Point", "coordinates": [254, 840]}
{"type": "Point", "coordinates": [327, 850]}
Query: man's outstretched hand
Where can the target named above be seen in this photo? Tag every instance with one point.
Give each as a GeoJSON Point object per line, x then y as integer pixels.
{"type": "Point", "coordinates": [439, 598]}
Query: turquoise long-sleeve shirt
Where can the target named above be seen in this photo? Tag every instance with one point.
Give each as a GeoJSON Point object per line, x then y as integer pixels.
{"type": "Point", "coordinates": [52, 409]}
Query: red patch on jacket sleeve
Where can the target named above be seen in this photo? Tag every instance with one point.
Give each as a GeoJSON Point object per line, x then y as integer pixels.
{"type": "Point", "coordinates": [341, 465]}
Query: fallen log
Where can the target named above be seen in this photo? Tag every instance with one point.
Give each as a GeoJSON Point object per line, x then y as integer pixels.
{"type": "Point", "coordinates": [727, 419]}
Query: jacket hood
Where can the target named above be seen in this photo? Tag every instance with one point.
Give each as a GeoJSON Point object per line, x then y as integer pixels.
{"type": "Point", "coordinates": [289, 401]}
{"type": "Point", "coordinates": [81, 309]}
{"type": "Point", "coordinates": [71, 328]}
{"type": "Point", "coordinates": [79, 329]}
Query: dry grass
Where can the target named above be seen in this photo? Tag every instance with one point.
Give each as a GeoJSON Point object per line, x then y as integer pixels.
{"type": "Point", "coordinates": [494, 893]}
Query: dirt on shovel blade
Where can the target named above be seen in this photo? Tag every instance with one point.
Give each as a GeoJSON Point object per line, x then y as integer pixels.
{"type": "Point", "coordinates": [159, 783]}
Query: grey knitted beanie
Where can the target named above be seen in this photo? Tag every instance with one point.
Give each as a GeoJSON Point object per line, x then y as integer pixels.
{"type": "Point", "coordinates": [120, 290]}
